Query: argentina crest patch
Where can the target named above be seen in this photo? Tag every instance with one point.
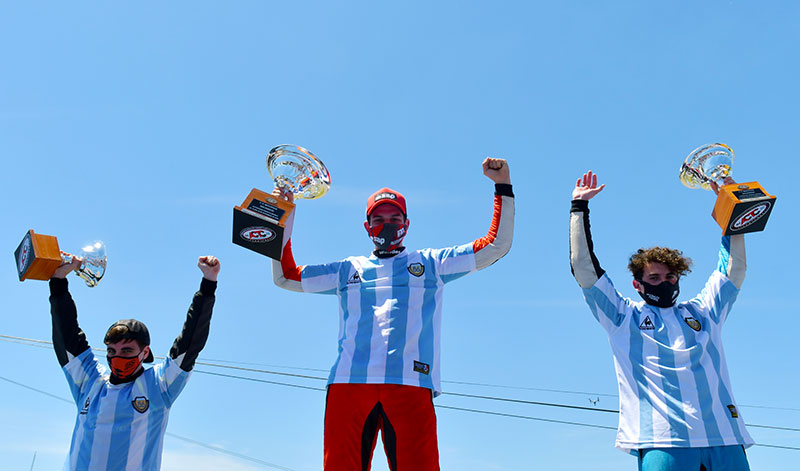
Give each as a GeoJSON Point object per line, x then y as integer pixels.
{"type": "Point", "coordinates": [416, 269]}
{"type": "Point", "coordinates": [693, 323]}
{"type": "Point", "coordinates": [141, 404]}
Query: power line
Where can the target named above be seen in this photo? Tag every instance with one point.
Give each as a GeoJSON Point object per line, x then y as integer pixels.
{"type": "Point", "coordinates": [173, 435]}
{"type": "Point", "coordinates": [280, 373]}
{"type": "Point", "coordinates": [208, 362]}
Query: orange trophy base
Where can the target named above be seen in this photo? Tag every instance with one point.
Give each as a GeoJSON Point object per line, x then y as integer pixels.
{"type": "Point", "coordinates": [259, 223]}
{"type": "Point", "coordinates": [742, 208]}
{"type": "Point", "coordinates": [37, 257]}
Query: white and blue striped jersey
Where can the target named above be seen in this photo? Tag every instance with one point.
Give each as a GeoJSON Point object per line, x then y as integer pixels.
{"type": "Point", "coordinates": [120, 426]}
{"type": "Point", "coordinates": [674, 387]}
{"type": "Point", "coordinates": [390, 308]}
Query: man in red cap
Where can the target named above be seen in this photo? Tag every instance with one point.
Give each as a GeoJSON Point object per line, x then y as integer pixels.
{"type": "Point", "coordinates": [387, 371]}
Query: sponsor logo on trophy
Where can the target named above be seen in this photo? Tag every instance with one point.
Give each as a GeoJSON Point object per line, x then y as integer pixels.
{"type": "Point", "coordinates": [261, 220]}
{"type": "Point", "coordinates": [38, 257]}
{"type": "Point", "coordinates": [740, 207]}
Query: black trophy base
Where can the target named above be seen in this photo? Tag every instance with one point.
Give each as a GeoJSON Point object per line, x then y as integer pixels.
{"type": "Point", "coordinates": [750, 216]}
{"type": "Point", "coordinates": [257, 234]}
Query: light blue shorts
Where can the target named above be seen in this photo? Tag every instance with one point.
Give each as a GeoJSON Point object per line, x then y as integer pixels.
{"type": "Point", "coordinates": [715, 458]}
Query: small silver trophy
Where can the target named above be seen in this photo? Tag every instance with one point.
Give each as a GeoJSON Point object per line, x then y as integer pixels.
{"type": "Point", "coordinates": [93, 262]}
{"type": "Point", "coordinates": [740, 207]}
{"type": "Point", "coordinates": [259, 223]}
{"type": "Point", "coordinates": [38, 257]}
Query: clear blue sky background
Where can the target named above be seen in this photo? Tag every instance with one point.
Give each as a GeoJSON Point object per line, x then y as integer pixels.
{"type": "Point", "coordinates": [143, 125]}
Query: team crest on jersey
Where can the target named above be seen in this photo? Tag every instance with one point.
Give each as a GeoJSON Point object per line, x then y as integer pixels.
{"type": "Point", "coordinates": [693, 323]}
{"type": "Point", "coordinates": [647, 324]}
{"type": "Point", "coordinates": [141, 404]}
{"type": "Point", "coordinates": [355, 279]}
{"type": "Point", "coordinates": [416, 269]}
{"type": "Point", "coordinates": [85, 409]}
{"type": "Point", "coordinates": [733, 411]}
{"type": "Point", "coordinates": [423, 368]}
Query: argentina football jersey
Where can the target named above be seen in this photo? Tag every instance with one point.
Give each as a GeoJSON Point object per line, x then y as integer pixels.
{"type": "Point", "coordinates": [390, 313]}
{"type": "Point", "coordinates": [120, 426]}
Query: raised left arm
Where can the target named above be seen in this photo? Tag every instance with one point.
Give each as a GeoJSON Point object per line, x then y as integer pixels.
{"type": "Point", "coordinates": [497, 242]}
{"type": "Point", "coordinates": [192, 339]}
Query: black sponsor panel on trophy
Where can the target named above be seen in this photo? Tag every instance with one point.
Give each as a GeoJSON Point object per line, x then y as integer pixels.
{"type": "Point", "coordinates": [257, 234]}
{"type": "Point", "coordinates": [750, 216]}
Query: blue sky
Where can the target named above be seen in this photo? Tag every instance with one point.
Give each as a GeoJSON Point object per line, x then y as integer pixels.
{"type": "Point", "coordinates": [143, 125]}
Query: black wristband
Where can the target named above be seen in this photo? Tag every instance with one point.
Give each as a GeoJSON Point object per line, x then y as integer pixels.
{"type": "Point", "coordinates": [207, 286]}
{"type": "Point", "coordinates": [503, 189]}
{"type": "Point", "coordinates": [579, 206]}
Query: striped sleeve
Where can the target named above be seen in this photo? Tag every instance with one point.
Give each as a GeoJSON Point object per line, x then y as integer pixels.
{"type": "Point", "coordinates": [608, 306]}
{"type": "Point", "coordinates": [286, 274]}
{"type": "Point", "coordinates": [171, 379]}
{"type": "Point", "coordinates": [497, 242]}
{"type": "Point", "coordinates": [82, 372]}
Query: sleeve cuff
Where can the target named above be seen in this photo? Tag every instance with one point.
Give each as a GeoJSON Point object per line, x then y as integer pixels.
{"type": "Point", "coordinates": [208, 287]}
{"type": "Point", "coordinates": [503, 189]}
{"type": "Point", "coordinates": [579, 206]}
{"type": "Point", "coordinates": [58, 286]}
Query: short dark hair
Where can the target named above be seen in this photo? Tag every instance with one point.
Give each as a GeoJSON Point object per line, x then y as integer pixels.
{"type": "Point", "coordinates": [672, 258]}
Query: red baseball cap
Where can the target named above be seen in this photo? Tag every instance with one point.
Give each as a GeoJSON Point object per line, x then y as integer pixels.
{"type": "Point", "coordinates": [386, 196]}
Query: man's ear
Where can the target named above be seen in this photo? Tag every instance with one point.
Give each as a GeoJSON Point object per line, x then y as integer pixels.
{"type": "Point", "coordinates": [366, 226]}
{"type": "Point", "coordinates": [146, 351]}
{"type": "Point", "coordinates": [638, 286]}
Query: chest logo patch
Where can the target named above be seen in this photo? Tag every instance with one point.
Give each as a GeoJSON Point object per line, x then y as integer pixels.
{"type": "Point", "coordinates": [647, 324]}
{"type": "Point", "coordinates": [734, 412]}
{"type": "Point", "coordinates": [141, 404]}
{"type": "Point", "coordinates": [85, 409]}
{"type": "Point", "coordinates": [423, 368]}
{"type": "Point", "coordinates": [355, 279]}
{"type": "Point", "coordinates": [416, 269]}
{"type": "Point", "coordinates": [693, 323]}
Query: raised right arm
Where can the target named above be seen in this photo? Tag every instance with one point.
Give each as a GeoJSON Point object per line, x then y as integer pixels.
{"type": "Point", "coordinates": [584, 264]}
{"type": "Point", "coordinates": [585, 267]}
{"type": "Point", "coordinates": [69, 341]}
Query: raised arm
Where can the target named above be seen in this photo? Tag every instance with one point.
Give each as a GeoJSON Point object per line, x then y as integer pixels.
{"type": "Point", "coordinates": [732, 262]}
{"type": "Point", "coordinates": [497, 242]}
{"type": "Point", "coordinates": [583, 262]}
{"type": "Point", "coordinates": [69, 341]}
{"type": "Point", "coordinates": [193, 337]}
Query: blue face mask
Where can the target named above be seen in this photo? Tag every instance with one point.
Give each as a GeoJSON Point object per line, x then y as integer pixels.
{"type": "Point", "coordinates": [661, 295]}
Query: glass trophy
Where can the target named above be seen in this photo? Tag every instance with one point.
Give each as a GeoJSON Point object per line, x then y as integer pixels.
{"type": "Point", "coordinates": [38, 257]}
{"type": "Point", "coordinates": [740, 207]}
{"type": "Point", "coordinates": [260, 222]}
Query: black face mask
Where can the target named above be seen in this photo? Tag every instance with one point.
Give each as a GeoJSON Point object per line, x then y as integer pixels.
{"type": "Point", "coordinates": [387, 237]}
{"type": "Point", "coordinates": [661, 295]}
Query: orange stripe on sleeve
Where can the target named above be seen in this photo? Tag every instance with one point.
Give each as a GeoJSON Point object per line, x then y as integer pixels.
{"type": "Point", "coordinates": [490, 236]}
{"type": "Point", "coordinates": [290, 270]}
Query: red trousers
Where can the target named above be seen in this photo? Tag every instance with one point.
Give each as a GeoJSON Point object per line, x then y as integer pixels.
{"type": "Point", "coordinates": [354, 413]}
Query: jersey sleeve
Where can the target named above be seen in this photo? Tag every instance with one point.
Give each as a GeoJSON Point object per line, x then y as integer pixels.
{"type": "Point", "coordinates": [172, 378]}
{"type": "Point", "coordinates": [497, 242]}
{"type": "Point", "coordinates": [82, 372]}
{"type": "Point", "coordinates": [193, 336]}
{"type": "Point", "coordinates": [69, 341]}
{"type": "Point", "coordinates": [718, 295]}
{"type": "Point", "coordinates": [608, 306]}
{"type": "Point", "coordinates": [322, 279]}
{"type": "Point", "coordinates": [455, 262]}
